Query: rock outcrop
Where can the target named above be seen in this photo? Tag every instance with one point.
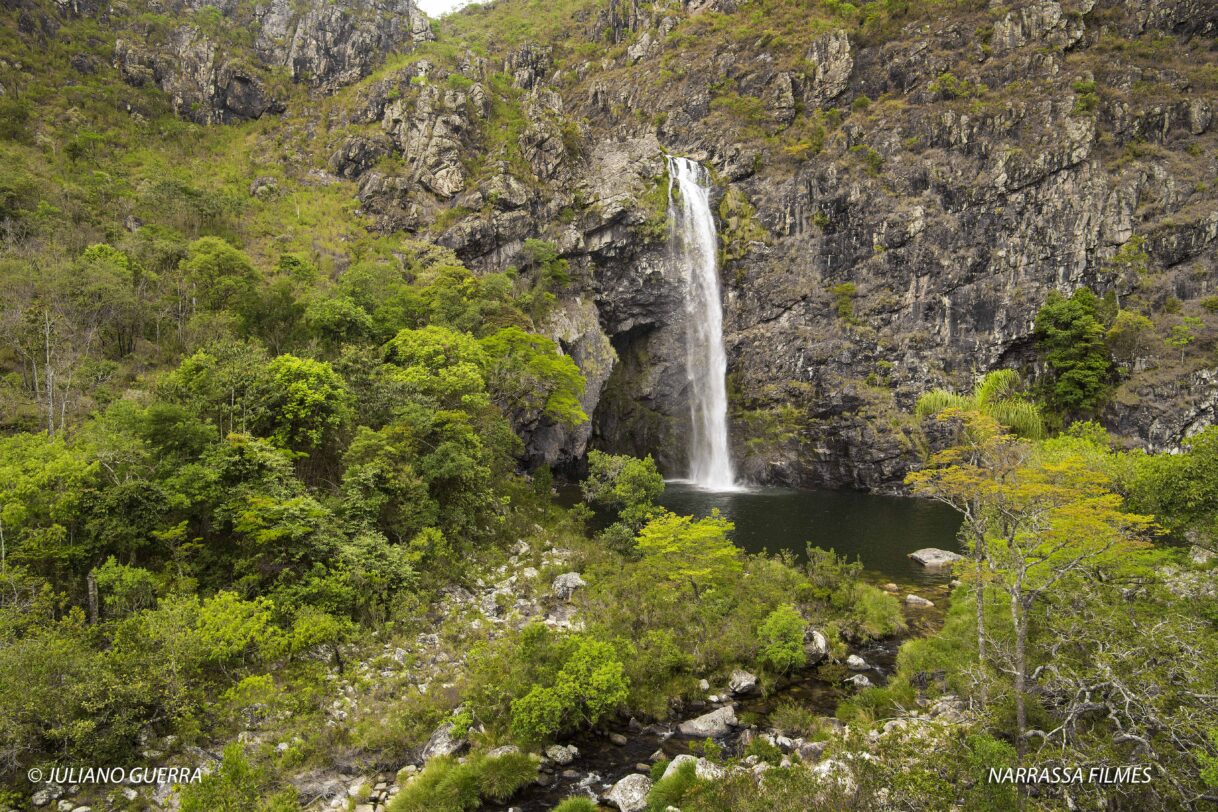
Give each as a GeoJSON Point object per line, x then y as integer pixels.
{"type": "Point", "coordinates": [932, 557]}
{"type": "Point", "coordinates": [214, 74]}
{"type": "Point", "coordinates": [710, 725]}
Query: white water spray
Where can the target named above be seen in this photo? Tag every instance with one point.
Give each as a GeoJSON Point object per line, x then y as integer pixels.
{"type": "Point", "coordinates": [695, 249]}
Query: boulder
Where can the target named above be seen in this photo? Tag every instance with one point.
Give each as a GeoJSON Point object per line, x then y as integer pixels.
{"type": "Point", "coordinates": [918, 601]}
{"type": "Point", "coordinates": [561, 754]}
{"type": "Point", "coordinates": [859, 681]}
{"type": "Point", "coordinates": [742, 682]}
{"type": "Point", "coordinates": [933, 557]}
{"type": "Point", "coordinates": [811, 751]}
{"type": "Point", "coordinates": [856, 663]}
{"type": "Point", "coordinates": [564, 586]}
{"type": "Point", "coordinates": [504, 750]}
{"type": "Point", "coordinates": [618, 739]}
{"type": "Point", "coordinates": [816, 646]}
{"type": "Point", "coordinates": [710, 725]}
{"type": "Point", "coordinates": [443, 743]}
{"type": "Point", "coordinates": [708, 770]}
{"type": "Point", "coordinates": [630, 794]}
{"type": "Point", "coordinates": [675, 764]}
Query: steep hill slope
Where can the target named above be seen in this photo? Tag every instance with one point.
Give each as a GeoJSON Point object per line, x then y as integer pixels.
{"type": "Point", "coordinates": [900, 186]}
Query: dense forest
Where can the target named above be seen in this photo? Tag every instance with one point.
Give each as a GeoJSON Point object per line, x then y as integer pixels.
{"type": "Point", "coordinates": [339, 381]}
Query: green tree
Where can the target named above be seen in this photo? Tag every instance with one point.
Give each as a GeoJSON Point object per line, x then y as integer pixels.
{"type": "Point", "coordinates": [682, 551]}
{"type": "Point", "coordinates": [1070, 338]}
{"type": "Point", "coordinates": [219, 276]}
{"type": "Point", "coordinates": [440, 366]}
{"type": "Point", "coordinates": [590, 683]}
{"type": "Point", "coordinates": [529, 377]}
{"type": "Point", "coordinates": [43, 483]}
{"type": "Point", "coordinates": [302, 403]}
{"type": "Point", "coordinates": [1182, 489]}
{"type": "Point", "coordinates": [1130, 336]}
{"type": "Point", "coordinates": [782, 640]}
{"type": "Point", "coordinates": [627, 485]}
{"type": "Point", "coordinates": [1183, 333]}
{"type": "Point", "coordinates": [108, 285]}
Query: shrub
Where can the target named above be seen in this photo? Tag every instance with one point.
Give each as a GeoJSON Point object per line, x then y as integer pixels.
{"type": "Point", "coordinates": [794, 719]}
{"type": "Point", "coordinates": [448, 786]}
{"type": "Point", "coordinates": [843, 300]}
{"type": "Point", "coordinates": [873, 162]}
{"type": "Point", "coordinates": [764, 750]}
{"type": "Point", "coordinates": [671, 791]}
{"type": "Point", "coordinates": [590, 683]}
{"type": "Point", "coordinates": [782, 638]}
{"type": "Point", "coordinates": [501, 777]}
{"type": "Point", "coordinates": [1086, 98]}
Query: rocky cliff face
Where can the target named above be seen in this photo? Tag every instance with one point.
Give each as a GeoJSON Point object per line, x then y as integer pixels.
{"type": "Point", "coordinates": [222, 62]}
{"type": "Point", "coordinates": [1004, 156]}
{"type": "Point", "coordinates": [895, 204]}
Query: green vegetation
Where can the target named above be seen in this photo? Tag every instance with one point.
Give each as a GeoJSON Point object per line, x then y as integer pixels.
{"type": "Point", "coordinates": [255, 446]}
{"type": "Point", "coordinates": [1052, 540]}
{"type": "Point", "coordinates": [950, 87]}
{"type": "Point", "coordinates": [997, 394]}
{"type": "Point", "coordinates": [448, 786]}
{"type": "Point", "coordinates": [843, 295]}
{"type": "Point", "coordinates": [1070, 338]}
{"type": "Point", "coordinates": [782, 639]}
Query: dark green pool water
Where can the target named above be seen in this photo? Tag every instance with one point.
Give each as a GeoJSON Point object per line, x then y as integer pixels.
{"type": "Point", "coordinates": [879, 531]}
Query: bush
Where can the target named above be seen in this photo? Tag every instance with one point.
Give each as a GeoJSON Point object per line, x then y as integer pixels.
{"type": "Point", "coordinates": [765, 750]}
{"type": "Point", "coordinates": [1070, 339]}
{"type": "Point", "coordinates": [448, 786]}
{"type": "Point", "coordinates": [782, 639]}
{"type": "Point", "coordinates": [501, 777]}
{"type": "Point", "coordinates": [843, 300]}
{"type": "Point", "coordinates": [671, 791]}
{"type": "Point", "coordinates": [793, 720]}
{"type": "Point", "coordinates": [874, 614]}
{"type": "Point", "coordinates": [234, 786]}
{"type": "Point", "coordinates": [590, 683]}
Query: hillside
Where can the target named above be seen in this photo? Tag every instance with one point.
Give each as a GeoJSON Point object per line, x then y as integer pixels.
{"type": "Point", "coordinates": [306, 307]}
{"type": "Point", "coordinates": [942, 166]}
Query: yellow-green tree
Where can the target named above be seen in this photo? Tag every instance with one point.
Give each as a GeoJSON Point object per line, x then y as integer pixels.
{"type": "Point", "coordinates": [966, 476]}
{"type": "Point", "coordinates": [682, 550]}
{"type": "Point", "coordinates": [1054, 517]}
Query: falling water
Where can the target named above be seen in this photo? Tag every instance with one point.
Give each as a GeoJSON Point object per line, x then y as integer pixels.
{"type": "Point", "coordinates": [694, 248]}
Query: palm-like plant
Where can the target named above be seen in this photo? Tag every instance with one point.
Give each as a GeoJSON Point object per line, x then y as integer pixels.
{"type": "Point", "coordinates": [999, 395]}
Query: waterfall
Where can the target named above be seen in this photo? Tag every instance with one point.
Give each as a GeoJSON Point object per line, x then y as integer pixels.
{"type": "Point", "coordinates": [695, 248]}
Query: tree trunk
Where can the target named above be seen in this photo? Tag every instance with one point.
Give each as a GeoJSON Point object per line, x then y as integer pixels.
{"type": "Point", "coordinates": [984, 688]}
{"type": "Point", "coordinates": [1021, 669]}
{"type": "Point", "coordinates": [1019, 619]}
{"type": "Point", "coordinates": [91, 586]}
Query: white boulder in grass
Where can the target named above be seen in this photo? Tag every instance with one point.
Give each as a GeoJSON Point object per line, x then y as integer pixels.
{"type": "Point", "coordinates": [630, 794]}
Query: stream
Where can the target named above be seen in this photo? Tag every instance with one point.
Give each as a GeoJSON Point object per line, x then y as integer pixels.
{"type": "Point", "coordinates": [879, 531]}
